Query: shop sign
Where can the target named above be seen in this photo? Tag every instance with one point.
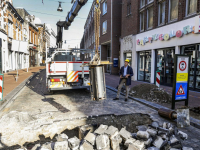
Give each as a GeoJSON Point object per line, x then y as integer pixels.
{"type": "Point", "coordinates": [165, 37]}
{"type": "Point", "coordinates": [115, 62]}
{"type": "Point", "coordinates": [180, 85]}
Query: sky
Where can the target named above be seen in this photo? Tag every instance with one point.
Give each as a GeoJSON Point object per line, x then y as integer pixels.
{"type": "Point", "coordinates": [47, 12]}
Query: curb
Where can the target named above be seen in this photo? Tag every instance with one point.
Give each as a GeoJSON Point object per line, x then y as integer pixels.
{"type": "Point", "coordinates": [194, 122]}
{"type": "Point", "coordinates": [9, 97]}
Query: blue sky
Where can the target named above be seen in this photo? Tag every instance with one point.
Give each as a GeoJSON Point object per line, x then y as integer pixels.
{"type": "Point", "coordinates": [48, 13]}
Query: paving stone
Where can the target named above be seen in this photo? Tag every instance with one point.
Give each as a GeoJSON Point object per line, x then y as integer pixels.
{"type": "Point", "coordinates": [153, 148]}
{"type": "Point", "coordinates": [102, 128]}
{"type": "Point", "coordinates": [125, 134]}
{"type": "Point", "coordinates": [142, 128]}
{"type": "Point", "coordinates": [90, 137]}
{"type": "Point", "coordinates": [129, 141]}
{"type": "Point", "coordinates": [112, 131]}
{"type": "Point", "coordinates": [84, 129]}
{"type": "Point", "coordinates": [183, 135]}
{"type": "Point", "coordinates": [74, 143]}
{"type": "Point", "coordinates": [148, 142]}
{"type": "Point", "coordinates": [63, 145]}
{"type": "Point", "coordinates": [115, 143]}
{"type": "Point", "coordinates": [187, 148]}
{"type": "Point", "coordinates": [173, 139]}
{"type": "Point", "coordinates": [143, 134]}
{"type": "Point", "coordinates": [102, 142]}
{"type": "Point", "coordinates": [61, 137]}
{"type": "Point", "coordinates": [158, 142]}
{"type": "Point", "coordinates": [86, 146]}
{"type": "Point", "coordinates": [36, 147]}
{"type": "Point", "coordinates": [152, 132]}
{"type": "Point", "coordinates": [48, 145]}
{"type": "Point", "coordinates": [138, 145]}
{"type": "Point", "coordinates": [155, 124]}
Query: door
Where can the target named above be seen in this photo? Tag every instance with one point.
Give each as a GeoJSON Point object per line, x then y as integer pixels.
{"type": "Point", "coordinates": [165, 64]}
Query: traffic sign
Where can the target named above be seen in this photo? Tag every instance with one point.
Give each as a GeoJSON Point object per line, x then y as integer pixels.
{"type": "Point", "coordinates": [181, 76]}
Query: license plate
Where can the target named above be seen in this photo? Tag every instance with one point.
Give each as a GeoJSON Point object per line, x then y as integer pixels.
{"type": "Point", "coordinates": [54, 83]}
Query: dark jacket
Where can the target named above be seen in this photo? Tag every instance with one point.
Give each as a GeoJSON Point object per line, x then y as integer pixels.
{"type": "Point", "coordinates": [129, 71]}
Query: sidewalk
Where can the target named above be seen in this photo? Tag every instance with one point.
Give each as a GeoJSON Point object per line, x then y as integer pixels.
{"type": "Point", "coordinates": [9, 78]}
{"type": "Point", "coordinates": [194, 97]}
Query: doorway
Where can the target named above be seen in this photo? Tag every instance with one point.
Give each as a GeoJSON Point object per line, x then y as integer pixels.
{"type": "Point", "coordinates": [165, 64]}
{"type": "Point", "coordinates": [144, 66]}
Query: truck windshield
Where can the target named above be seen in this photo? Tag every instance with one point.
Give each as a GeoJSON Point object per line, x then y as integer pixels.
{"type": "Point", "coordinates": [72, 56]}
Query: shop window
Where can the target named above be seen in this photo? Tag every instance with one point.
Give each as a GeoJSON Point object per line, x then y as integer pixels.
{"type": "Point", "coordinates": [142, 3]}
{"type": "Point", "coordinates": [161, 14]}
{"type": "Point", "coordinates": [129, 7]}
{"type": "Point", "coordinates": [144, 66]}
{"type": "Point", "coordinates": [142, 21]}
{"type": "Point", "coordinates": [104, 27]}
{"type": "Point", "coordinates": [191, 7]}
{"type": "Point", "coordinates": [173, 10]}
{"type": "Point", "coordinates": [150, 18]}
{"type": "Point", "coordinates": [104, 7]}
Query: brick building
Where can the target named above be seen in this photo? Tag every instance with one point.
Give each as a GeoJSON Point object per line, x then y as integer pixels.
{"type": "Point", "coordinates": [110, 31]}
{"type": "Point", "coordinates": [153, 31]}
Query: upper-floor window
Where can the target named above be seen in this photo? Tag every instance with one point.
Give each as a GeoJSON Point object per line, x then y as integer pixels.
{"type": "Point", "coordinates": [150, 17]}
{"type": "Point", "coordinates": [30, 37]}
{"type": "Point", "coordinates": [161, 13]}
{"type": "Point", "coordinates": [191, 7]}
{"type": "Point", "coordinates": [10, 29]}
{"type": "Point", "coordinates": [104, 27]}
{"type": "Point", "coordinates": [16, 25]}
{"type": "Point", "coordinates": [173, 10]}
{"type": "Point", "coordinates": [129, 8]}
{"type": "Point", "coordinates": [142, 21]}
{"type": "Point", "coordinates": [142, 3]}
{"type": "Point", "coordinates": [104, 7]}
{"type": "Point", "coordinates": [25, 31]}
{"type": "Point", "coordinates": [149, 1]}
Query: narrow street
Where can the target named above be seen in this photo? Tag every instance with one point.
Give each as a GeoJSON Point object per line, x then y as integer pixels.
{"type": "Point", "coordinates": [36, 112]}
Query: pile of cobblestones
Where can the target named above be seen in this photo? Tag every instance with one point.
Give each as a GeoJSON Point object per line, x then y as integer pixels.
{"type": "Point", "coordinates": [147, 137]}
{"type": "Point", "coordinates": [150, 92]}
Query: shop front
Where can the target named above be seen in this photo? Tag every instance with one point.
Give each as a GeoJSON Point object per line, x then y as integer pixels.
{"type": "Point", "coordinates": [165, 64]}
{"type": "Point", "coordinates": [194, 52]}
{"type": "Point", "coordinates": [156, 51]}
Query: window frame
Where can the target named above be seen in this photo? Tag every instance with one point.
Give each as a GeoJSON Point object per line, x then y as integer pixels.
{"type": "Point", "coordinates": [159, 8]}
{"type": "Point", "coordinates": [187, 9]}
{"type": "Point", "coordinates": [149, 1]}
{"type": "Point", "coordinates": [103, 8]}
{"type": "Point", "coordinates": [169, 13]}
{"type": "Point", "coordinates": [142, 13]}
{"type": "Point", "coordinates": [103, 27]}
{"type": "Point", "coordinates": [129, 8]}
{"type": "Point", "coordinates": [141, 3]}
{"type": "Point", "coordinates": [148, 18]}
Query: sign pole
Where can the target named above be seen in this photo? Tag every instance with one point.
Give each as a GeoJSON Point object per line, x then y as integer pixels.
{"type": "Point", "coordinates": [181, 79]}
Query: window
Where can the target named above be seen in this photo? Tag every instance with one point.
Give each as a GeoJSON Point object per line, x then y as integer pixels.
{"type": "Point", "coordinates": [191, 7]}
{"type": "Point", "coordinates": [173, 8]}
{"type": "Point", "coordinates": [105, 7]}
{"type": "Point", "coordinates": [10, 30]}
{"type": "Point", "coordinates": [142, 3]}
{"type": "Point", "coordinates": [129, 8]}
{"type": "Point", "coordinates": [142, 21]}
{"type": "Point", "coordinates": [150, 18]}
{"type": "Point", "coordinates": [30, 40]}
{"type": "Point", "coordinates": [161, 14]}
{"type": "Point", "coordinates": [104, 27]}
{"type": "Point", "coordinates": [149, 1]}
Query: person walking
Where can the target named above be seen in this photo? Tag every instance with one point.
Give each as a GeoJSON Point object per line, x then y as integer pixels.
{"type": "Point", "coordinates": [126, 72]}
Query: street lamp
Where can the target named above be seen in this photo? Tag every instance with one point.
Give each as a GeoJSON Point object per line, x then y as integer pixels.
{"type": "Point", "coordinates": [59, 7]}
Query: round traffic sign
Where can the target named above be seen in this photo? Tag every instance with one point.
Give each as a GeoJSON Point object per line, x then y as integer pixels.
{"type": "Point", "coordinates": [182, 65]}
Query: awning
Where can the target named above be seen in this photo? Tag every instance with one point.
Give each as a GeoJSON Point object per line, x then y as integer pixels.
{"type": "Point", "coordinates": [20, 46]}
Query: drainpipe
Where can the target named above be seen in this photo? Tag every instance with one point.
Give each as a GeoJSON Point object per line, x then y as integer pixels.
{"type": "Point", "coordinates": [111, 37]}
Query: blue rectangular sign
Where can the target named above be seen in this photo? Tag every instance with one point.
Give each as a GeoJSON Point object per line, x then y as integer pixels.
{"type": "Point", "coordinates": [181, 91]}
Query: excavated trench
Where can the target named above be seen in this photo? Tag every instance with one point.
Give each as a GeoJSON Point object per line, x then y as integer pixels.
{"type": "Point", "coordinates": [130, 121]}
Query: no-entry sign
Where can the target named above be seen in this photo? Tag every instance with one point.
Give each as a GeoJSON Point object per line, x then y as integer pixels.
{"type": "Point", "coordinates": [181, 78]}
